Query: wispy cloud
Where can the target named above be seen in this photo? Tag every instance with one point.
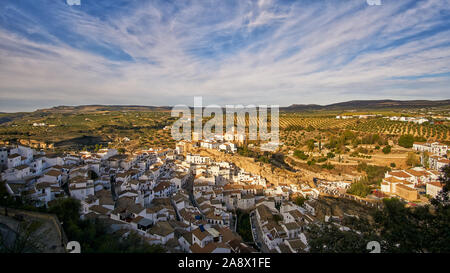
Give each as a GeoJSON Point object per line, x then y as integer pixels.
{"type": "Point", "coordinates": [271, 52]}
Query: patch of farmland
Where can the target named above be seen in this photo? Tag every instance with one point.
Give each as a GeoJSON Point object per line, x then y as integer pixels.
{"type": "Point", "coordinates": [318, 123]}
{"type": "Point", "coordinates": [438, 132]}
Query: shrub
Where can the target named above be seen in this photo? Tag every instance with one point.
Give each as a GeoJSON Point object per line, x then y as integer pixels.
{"type": "Point", "coordinates": [322, 159]}
{"type": "Point", "coordinates": [301, 155]}
{"type": "Point", "coordinates": [387, 149]}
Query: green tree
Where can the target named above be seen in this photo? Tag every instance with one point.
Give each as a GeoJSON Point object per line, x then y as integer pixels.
{"type": "Point", "coordinates": [300, 201]}
{"type": "Point", "coordinates": [93, 235]}
{"type": "Point", "coordinates": [359, 188]}
{"type": "Point", "coordinates": [311, 162]}
{"type": "Point", "coordinates": [386, 149]}
{"type": "Point", "coordinates": [406, 141]}
{"type": "Point", "coordinates": [426, 158]}
{"type": "Point", "coordinates": [416, 229]}
{"type": "Point", "coordinates": [67, 210]}
{"type": "Point", "coordinates": [328, 238]}
{"type": "Point", "coordinates": [374, 173]}
{"type": "Point", "coordinates": [410, 230]}
{"type": "Point", "coordinates": [412, 159]}
{"type": "Point", "coordinates": [442, 200]}
{"type": "Point", "coordinates": [310, 144]}
{"type": "Point", "coordinates": [244, 226]}
{"type": "Point", "coordinates": [300, 154]}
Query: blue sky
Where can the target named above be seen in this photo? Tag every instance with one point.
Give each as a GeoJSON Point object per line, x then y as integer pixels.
{"type": "Point", "coordinates": [230, 52]}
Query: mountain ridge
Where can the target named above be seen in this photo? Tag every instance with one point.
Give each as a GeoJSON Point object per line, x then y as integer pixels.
{"type": "Point", "coordinates": [347, 105]}
{"type": "Point", "coordinates": [369, 104]}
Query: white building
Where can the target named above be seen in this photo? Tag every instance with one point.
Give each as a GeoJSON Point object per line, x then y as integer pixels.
{"type": "Point", "coordinates": [80, 188]}
{"type": "Point", "coordinates": [246, 202]}
{"type": "Point", "coordinates": [437, 162]}
{"type": "Point", "coordinates": [106, 153]}
{"type": "Point", "coordinates": [433, 188]}
{"type": "Point", "coordinates": [435, 148]}
{"type": "Point", "coordinates": [52, 176]}
{"type": "Point", "coordinates": [3, 157]}
{"type": "Point", "coordinates": [197, 159]}
{"type": "Point", "coordinates": [14, 160]}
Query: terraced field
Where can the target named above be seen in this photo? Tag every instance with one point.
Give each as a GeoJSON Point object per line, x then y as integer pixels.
{"type": "Point", "coordinates": [439, 132]}
{"type": "Point", "coordinates": [299, 122]}
{"type": "Point", "coordinates": [78, 130]}
{"type": "Point", "coordinates": [146, 128]}
{"type": "Point", "coordinates": [317, 123]}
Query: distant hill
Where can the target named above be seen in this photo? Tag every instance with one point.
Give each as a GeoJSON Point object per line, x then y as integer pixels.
{"type": "Point", "coordinates": [368, 104]}
{"type": "Point", "coordinates": [349, 105]}
{"type": "Point", "coordinates": [8, 117]}
{"type": "Point", "coordinates": [102, 108]}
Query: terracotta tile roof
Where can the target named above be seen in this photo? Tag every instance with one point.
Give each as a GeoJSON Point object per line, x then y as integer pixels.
{"type": "Point", "coordinates": [54, 173]}
{"type": "Point", "coordinates": [99, 209]}
{"type": "Point", "coordinates": [200, 234]}
{"type": "Point", "coordinates": [392, 179]}
{"type": "Point", "coordinates": [444, 160]}
{"type": "Point", "coordinates": [13, 155]}
{"type": "Point", "coordinates": [21, 167]}
{"type": "Point", "coordinates": [417, 173]}
{"type": "Point", "coordinates": [161, 186]}
{"type": "Point", "coordinates": [162, 229]}
{"type": "Point", "coordinates": [210, 247]}
{"type": "Point", "coordinates": [402, 186]}
{"type": "Point", "coordinates": [437, 184]}
{"type": "Point", "coordinates": [400, 174]}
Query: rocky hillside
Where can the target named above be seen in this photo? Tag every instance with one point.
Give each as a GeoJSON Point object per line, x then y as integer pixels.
{"type": "Point", "coordinates": [326, 205]}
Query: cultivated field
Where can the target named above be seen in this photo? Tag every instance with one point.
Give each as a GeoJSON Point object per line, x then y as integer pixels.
{"type": "Point", "coordinates": [438, 132]}
{"type": "Point", "coordinates": [85, 130]}
{"type": "Point", "coordinates": [296, 122]}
